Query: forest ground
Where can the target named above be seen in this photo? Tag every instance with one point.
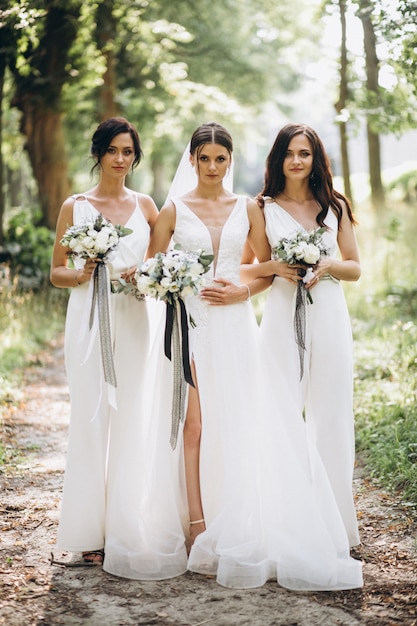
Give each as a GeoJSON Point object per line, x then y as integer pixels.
{"type": "Point", "coordinates": [34, 591]}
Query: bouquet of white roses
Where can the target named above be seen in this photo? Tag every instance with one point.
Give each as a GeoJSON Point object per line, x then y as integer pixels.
{"type": "Point", "coordinates": [304, 248]}
{"type": "Point", "coordinates": [173, 275]}
{"type": "Point", "coordinates": [93, 239]}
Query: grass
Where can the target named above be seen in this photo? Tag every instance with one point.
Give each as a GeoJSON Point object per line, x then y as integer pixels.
{"type": "Point", "coordinates": [29, 322]}
{"type": "Point", "coordinates": [383, 307]}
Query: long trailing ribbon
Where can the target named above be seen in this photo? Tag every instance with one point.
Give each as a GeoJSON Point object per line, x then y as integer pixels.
{"type": "Point", "coordinates": [101, 301]}
{"type": "Point", "coordinates": [300, 323]}
{"type": "Point", "coordinates": [177, 350]}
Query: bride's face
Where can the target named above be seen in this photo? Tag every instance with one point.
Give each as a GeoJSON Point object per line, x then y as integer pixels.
{"type": "Point", "coordinates": [211, 162]}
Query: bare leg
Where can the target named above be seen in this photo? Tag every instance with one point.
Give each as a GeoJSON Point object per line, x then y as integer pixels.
{"type": "Point", "coordinates": [192, 438]}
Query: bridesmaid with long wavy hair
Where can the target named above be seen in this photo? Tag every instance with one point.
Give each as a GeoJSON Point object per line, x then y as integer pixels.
{"type": "Point", "coordinates": [298, 194]}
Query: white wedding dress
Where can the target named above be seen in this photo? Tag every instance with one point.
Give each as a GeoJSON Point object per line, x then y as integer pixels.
{"type": "Point", "coordinates": [114, 486]}
{"type": "Point", "coordinates": [326, 389]}
{"type": "Point", "coordinates": [264, 515]}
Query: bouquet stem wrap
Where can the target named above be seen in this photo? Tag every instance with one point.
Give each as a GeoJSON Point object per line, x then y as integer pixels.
{"type": "Point", "coordinates": [101, 301]}
{"type": "Point", "coordinates": [177, 351]}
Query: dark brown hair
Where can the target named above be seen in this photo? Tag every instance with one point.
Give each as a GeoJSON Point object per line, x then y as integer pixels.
{"type": "Point", "coordinates": [321, 177]}
{"type": "Point", "coordinates": [104, 134]}
{"type": "Point", "coordinates": [211, 132]}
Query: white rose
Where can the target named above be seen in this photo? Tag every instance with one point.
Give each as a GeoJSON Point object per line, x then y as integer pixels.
{"type": "Point", "coordinates": [78, 248]}
{"type": "Point", "coordinates": [166, 282]}
{"type": "Point", "coordinates": [73, 243]}
{"type": "Point", "coordinates": [187, 291]}
{"type": "Point", "coordinates": [196, 269]}
{"type": "Point", "coordinates": [88, 242]}
{"type": "Point", "coordinates": [298, 250]}
{"type": "Point", "coordinates": [143, 283]}
{"type": "Point", "coordinates": [311, 254]}
{"type": "Point", "coordinates": [102, 242]}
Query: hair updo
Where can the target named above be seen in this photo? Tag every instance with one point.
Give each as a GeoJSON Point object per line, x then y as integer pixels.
{"type": "Point", "coordinates": [211, 132]}
{"type": "Point", "coordinates": [104, 134]}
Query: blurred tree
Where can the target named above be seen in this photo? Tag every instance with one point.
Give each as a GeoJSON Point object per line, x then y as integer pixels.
{"type": "Point", "coordinates": [342, 102]}
{"type": "Point", "coordinates": [364, 13]}
{"type": "Point", "coordinates": [166, 66]}
{"type": "Point", "coordinates": [39, 65]}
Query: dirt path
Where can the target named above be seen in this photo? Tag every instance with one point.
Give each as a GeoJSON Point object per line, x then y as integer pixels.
{"type": "Point", "coordinates": [34, 592]}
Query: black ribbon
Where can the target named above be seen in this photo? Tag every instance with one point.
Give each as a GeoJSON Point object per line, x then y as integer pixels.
{"type": "Point", "coordinates": [170, 320]}
{"type": "Point", "coordinates": [177, 349]}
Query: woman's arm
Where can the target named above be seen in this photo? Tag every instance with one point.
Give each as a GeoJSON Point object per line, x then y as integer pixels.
{"type": "Point", "coordinates": [348, 267]}
{"type": "Point", "coordinates": [266, 267]}
{"type": "Point", "coordinates": [257, 247]}
{"type": "Point", "coordinates": [61, 275]}
{"type": "Point", "coordinates": [162, 230]}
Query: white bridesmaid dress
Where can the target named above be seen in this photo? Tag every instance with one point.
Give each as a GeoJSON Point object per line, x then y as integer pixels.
{"type": "Point", "coordinates": [325, 393]}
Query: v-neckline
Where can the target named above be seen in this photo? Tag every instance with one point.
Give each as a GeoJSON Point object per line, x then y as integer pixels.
{"type": "Point", "coordinates": [122, 225]}
{"type": "Point", "coordinates": [293, 218]}
{"type": "Point", "coordinates": [208, 229]}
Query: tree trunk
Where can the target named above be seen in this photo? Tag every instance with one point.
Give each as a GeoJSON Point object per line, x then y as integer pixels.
{"type": "Point", "coordinates": [38, 96]}
{"type": "Point", "coordinates": [342, 102]}
{"type": "Point", "coordinates": [372, 84]}
{"type": "Point", "coordinates": [105, 35]}
{"type": "Point", "coordinates": [2, 194]}
{"type": "Point", "coordinates": [45, 144]}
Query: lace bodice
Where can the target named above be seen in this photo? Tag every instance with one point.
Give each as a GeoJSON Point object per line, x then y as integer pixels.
{"type": "Point", "coordinates": [192, 234]}
{"type": "Point", "coordinates": [279, 223]}
{"type": "Point", "coordinates": [131, 249]}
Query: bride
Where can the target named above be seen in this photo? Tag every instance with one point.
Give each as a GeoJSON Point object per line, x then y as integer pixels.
{"type": "Point", "coordinates": [252, 509]}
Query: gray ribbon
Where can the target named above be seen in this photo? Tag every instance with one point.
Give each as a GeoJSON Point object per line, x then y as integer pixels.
{"type": "Point", "coordinates": [300, 323]}
{"type": "Point", "coordinates": [101, 301]}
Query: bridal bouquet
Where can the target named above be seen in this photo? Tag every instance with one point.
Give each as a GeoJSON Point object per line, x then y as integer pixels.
{"type": "Point", "coordinates": [303, 247]}
{"type": "Point", "coordinates": [174, 275]}
{"type": "Point", "coordinates": [171, 277]}
{"type": "Point", "coordinates": [93, 239]}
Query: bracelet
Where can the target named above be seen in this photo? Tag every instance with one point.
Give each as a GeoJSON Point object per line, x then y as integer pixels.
{"type": "Point", "coordinates": [76, 277]}
{"type": "Point", "coordinates": [248, 298]}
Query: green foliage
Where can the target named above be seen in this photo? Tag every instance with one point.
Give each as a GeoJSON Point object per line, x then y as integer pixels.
{"type": "Point", "coordinates": [383, 308]}
{"type": "Point", "coordinates": [30, 249]}
{"type": "Point", "coordinates": [405, 186]}
{"type": "Point", "coordinates": [28, 322]}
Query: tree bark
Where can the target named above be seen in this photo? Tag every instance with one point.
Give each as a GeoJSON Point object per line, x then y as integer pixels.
{"type": "Point", "coordinates": [2, 194]}
{"type": "Point", "coordinates": [105, 36]}
{"type": "Point", "coordinates": [342, 102]}
{"type": "Point", "coordinates": [45, 143]}
{"type": "Point", "coordinates": [372, 85]}
{"type": "Point", "coordinates": [38, 96]}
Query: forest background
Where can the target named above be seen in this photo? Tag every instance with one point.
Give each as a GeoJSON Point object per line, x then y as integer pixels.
{"type": "Point", "coordinates": [348, 68]}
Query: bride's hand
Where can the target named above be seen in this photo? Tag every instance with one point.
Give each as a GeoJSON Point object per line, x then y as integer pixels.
{"type": "Point", "coordinates": [226, 293]}
{"type": "Point", "coordinates": [129, 275]}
